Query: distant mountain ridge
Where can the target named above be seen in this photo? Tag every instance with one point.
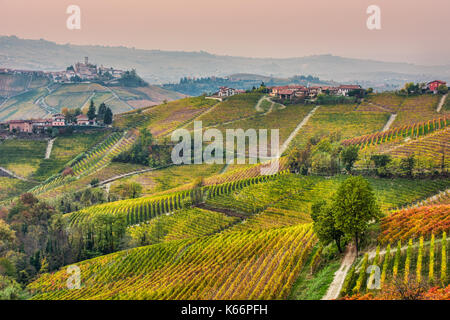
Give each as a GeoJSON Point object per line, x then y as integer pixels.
{"type": "Point", "coordinates": [159, 67]}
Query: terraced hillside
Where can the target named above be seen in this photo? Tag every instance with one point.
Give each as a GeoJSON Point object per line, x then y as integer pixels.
{"type": "Point", "coordinates": [343, 119]}
{"type": "Point", "coordinates": [35, 98]}
{"type": "Point", "coordinates": [166, 117]}
{"type": "Point", "coordinates": [248, 265]}
{"type": "Point", "coordinates": [418, 260]}
{"type": "Point", "coordinates": [91, 161]}
{"type": "Point", "coordinates": [415, 222]}
{"type": "Point", "coordinates": [234, 108]}
{"type": "Point", "coordinates": [229, 231]}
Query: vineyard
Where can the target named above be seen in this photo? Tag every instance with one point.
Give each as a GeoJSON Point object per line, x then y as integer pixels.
{"type": "Point", "coordinates": [407, 131]}
{"type": "Point", "coordinates": [182, 224]}
{"type": "Point", "coordinates": [416, 109]}
{"type": "Point", "coordinates": [65, 148]}
{"type": "Point", "coordinates": [236, 265]}
{"type": "Point", "coordinates": [432, 149]}
{"type": "Point", "coordinates": [285, 120]}
{"type": "Point", "coordinates": [95, 159]}
{"type": "Point", "coordinates": [167, 179]}
{"type": "Point", "coordinates": [23, 157]}
{"type": "Point", "coordinates": [343, 119]}
{"type": "Point", "coordinates": [230, 231]}
{"type": "Point", "coordinates": [419, 260]}
{"type": "Point", "coordinates": [415, 222]}
{"type": "Point", "coordinates": [143, 209]}
{"type": "Point", "coordinates": [164, 118]}
{"type": "Point", "coordinates": [234, 108]}
{"type": "Point", "coordinates": [10, 187]}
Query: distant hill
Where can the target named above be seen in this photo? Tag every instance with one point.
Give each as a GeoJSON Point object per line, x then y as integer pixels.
{"type": "Point", "coordinates": [209, 85]}
{"type": "Point", "coordinates": [25, 97]}
{"type": "Point", "coordinates": [160, 67]}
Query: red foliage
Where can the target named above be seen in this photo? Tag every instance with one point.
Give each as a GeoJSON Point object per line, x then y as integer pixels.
{"type": "Point", "coordinates": [415, 222]}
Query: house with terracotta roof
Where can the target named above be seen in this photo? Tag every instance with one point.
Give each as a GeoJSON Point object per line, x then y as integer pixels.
{"type": "Point", "coordinates": [58, 120]}
{"type": "Point", "coordinates": [434, 85]}
{"type": "Point", "coordinates": [82, 120]}
{"type": "Point", "coordinates": [286, 94]}
{"type": "Point", "coordinates": [344, 89]}
{"type": "Point", "coordinates": [21, 126]}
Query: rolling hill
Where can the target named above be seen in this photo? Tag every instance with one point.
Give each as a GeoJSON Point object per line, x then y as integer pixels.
{"type": "Point", "coordinates": [23, 97]}
{"type": "Point", "coordinates": [227, 231]}
{"type": "Point", "coordinates": [158, 66]}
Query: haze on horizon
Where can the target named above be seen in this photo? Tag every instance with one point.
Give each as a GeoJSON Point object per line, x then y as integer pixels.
{"type": "Point", "coordinates": [412, 31]}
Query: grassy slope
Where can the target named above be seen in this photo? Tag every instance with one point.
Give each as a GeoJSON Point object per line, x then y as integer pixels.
{"type": "Point", "coordinates": [65, 148]}
{"type": "Point", "coordinates": [73, 96]}
{"type": "Point", "coordinates": [168, 178]}
{"type": "Point", "coordinates": [10, 187]}
{"type": "Point", "coordinates": [341, 118]}
{"type": "Point", "coordinates": [23, 157]}
{"type": "Point", "coordinates": [164, 118]}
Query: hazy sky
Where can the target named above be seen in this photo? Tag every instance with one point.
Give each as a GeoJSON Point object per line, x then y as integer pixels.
{"type": "Point", "coordinates": [411, 30]}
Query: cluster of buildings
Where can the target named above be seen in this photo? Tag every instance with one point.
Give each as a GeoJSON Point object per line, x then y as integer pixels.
{"type": "Point", "coordinates": [225, 92]}
{"type": "Point", "coordinates": [81, 71]}
{"type": "Point", "coordinates": [291, 92]}
{"type": "Point", "coordinates": [228, 92]}
{"type": "Point", "coordinates": [39, 125]}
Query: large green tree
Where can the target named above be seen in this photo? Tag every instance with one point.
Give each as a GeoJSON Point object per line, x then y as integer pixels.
{"type": "Point", "coordinates": [349, 156]}
{"type": "Point", "coordinates": [324, 224]}
{"type": "Point", "coordinates": [355, 207]}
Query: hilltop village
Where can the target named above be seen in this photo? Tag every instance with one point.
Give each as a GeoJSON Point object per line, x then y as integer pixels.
{"type": "Point", "coordinates": [79, 72]}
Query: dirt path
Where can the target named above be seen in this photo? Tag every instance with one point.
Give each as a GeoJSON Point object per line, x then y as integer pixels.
{"type": "Point", "coordinates": [108, 181]}
{"type": "Point", "coordinates": [12, 174]}
{"type": "Point", "coordinates": [48, 152]}
{"type": "Point", "coordinates": [388, 124]}
{"type": "Point", "coordinates": [340, 275]}
{"type": "Point", "coordinates": [296, 130]}
{"type": "Point", "coordinates": [258, 104]}
{"type": "Point", "coordinates": [441, 103]}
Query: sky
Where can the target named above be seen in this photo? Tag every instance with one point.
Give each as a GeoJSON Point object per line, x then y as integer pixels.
{"type": "Point", "coordinates": [411, 30]}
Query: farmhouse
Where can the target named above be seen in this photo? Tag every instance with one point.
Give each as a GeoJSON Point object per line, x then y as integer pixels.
{"type": "Point", "coordinates": [344, 90]}
{"type": "Point", "coordinates": [82, 120]}
{"type": "Point", "coordinates": [434, 85]}
{"type": "Point", "coordinates": [58, 120]}
{"type": "Point", "coordinates": [28, 126]}
{"type": "Point", "coordinates": [286, 94]}
{"type": "Point", "coordinates": [226, 92]}
{"type": "Point", "coordinates": [21, 126]}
